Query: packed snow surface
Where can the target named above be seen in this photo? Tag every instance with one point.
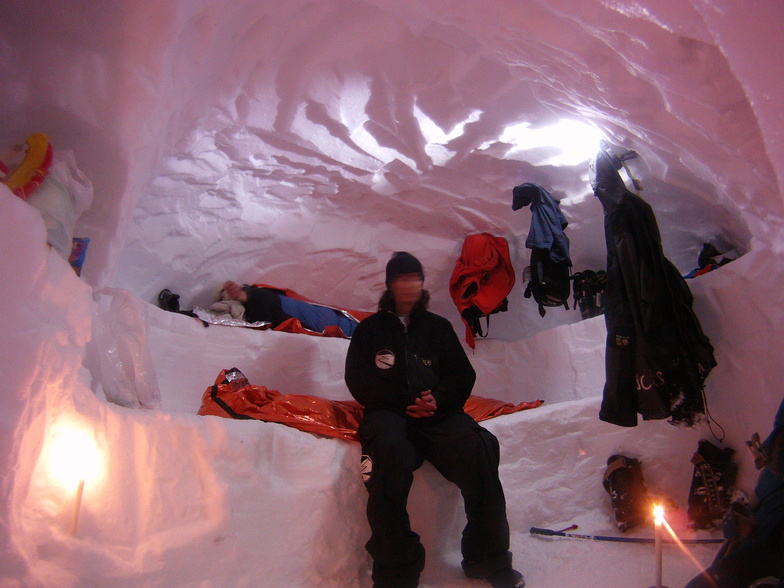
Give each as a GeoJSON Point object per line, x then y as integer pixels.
{"type": "Point", "coordinates": [299, 144]}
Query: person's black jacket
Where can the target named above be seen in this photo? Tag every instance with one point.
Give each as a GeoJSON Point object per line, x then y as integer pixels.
{"type": "Point", "coordinates": [657, 356]}
{"type": "Point", "coordinates": [263, 305]}
{"type": "Point", "coordinates": [388, 365]}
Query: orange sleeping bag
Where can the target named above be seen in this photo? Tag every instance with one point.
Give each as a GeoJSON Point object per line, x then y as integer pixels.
{"type": "Point", "coordinates": [333, 418]}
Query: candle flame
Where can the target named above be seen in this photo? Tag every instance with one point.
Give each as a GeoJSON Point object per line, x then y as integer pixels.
{"type": "Point", "coordinates": [73, 457]}
{"type": "Point", "coordinates": [658, 514]}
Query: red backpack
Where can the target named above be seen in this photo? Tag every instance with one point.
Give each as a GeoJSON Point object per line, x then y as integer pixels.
{"type": "Point", "coordinates": [481, 281]}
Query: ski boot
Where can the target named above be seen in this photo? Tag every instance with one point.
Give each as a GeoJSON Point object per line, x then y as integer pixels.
{"type": "Point", "coordinates": [500, 574]}
{"type": "Point", "coordinates": [169, 301]}
{"type": "Point", "coordinates": [624, 482]}
{"type": "Point", "coordinates": [508, 578]}
{"type": "Point", "coordinates": [711, 485]}
{"type": "Point", "coordinates": [504, 578]}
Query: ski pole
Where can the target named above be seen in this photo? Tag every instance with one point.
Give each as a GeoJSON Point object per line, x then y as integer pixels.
{"type": "Point", "coordinates": [552, 533]}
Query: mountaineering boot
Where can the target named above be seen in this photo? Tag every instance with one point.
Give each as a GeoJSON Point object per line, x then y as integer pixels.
{"type": "Point", "coordinates": [711, 485]}
{"type": "Point", "coordinates": [407, 582]}
{"type": "Point", "coordinates": [504, 576]}
{"type": "Point", "coordinates": [167, 300]}
{"type": "Point", "coordinates": [589, 288]}
{"type": "Point", "coordinates": [624, 482]}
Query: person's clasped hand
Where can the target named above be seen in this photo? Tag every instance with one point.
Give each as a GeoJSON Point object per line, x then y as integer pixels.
{"type": "Point", "coordinates": [424, 406]}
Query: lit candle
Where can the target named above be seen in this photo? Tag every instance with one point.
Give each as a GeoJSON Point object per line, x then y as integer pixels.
{"type": "Point", "coordinates": [77, 507]}
{"type": "Point", "coordinates": [658, 519]}
{"type": "Point", "coordinates": [74, 459]}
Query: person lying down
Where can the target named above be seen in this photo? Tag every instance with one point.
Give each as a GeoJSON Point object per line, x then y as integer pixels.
{"type": "Point", "coordinates": [285, 310]}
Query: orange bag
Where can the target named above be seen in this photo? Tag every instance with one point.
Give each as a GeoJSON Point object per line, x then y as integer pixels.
{"type": "Point", "coordinates": [334, 418]}
{"type": "Point", "coordinates": [481, 281]}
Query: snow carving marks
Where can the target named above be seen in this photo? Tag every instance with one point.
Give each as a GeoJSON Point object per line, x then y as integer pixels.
{"type": "Point", "coordinates": [359, 124]}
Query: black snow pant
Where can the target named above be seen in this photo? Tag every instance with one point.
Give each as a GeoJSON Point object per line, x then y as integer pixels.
{"type": "Point", "coordinates": [466, 454]}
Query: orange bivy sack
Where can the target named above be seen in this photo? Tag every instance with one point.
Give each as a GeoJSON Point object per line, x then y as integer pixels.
{"type": "Point", "coordinates": [237, 398]}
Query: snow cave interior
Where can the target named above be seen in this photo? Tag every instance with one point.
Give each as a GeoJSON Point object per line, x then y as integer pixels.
{"type": "Point", "coordinates": [299, 144]}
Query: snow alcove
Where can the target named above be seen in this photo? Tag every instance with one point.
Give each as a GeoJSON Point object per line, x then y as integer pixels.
{"type": "Point", "coordinates": [299, 144]}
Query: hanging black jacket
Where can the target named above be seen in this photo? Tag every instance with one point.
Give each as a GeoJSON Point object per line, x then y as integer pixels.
{"type": "Point", "coordinates": [388, 365]}
{"type": "Point", "coordinates": [657, 357]}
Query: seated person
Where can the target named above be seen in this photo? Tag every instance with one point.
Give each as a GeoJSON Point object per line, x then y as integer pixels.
{"type": "Point", "coordinates": [275, 307]}
{"type": "Point", "coordinates": [755, 537]}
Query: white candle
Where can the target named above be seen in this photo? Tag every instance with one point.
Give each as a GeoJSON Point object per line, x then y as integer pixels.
{"type": "Point", "coordinates": [77, 507]}
{"type": "Point", "coordinates": [658, 518]}
{"type": "Point", "coordinates": [74, 460]}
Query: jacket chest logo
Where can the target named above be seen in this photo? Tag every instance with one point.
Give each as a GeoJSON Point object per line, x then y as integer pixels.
{"type": "Point", "coordinates": [385, 359]}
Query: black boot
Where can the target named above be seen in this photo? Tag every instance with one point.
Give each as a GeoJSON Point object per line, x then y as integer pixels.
{"type": "Point", "coordinates": [711, 485]}
{"type": "Point", "coordinates": [503, 578]}
{"type": "Point", "coordinates": [169, 301]}
{"type": "Point", "coordinates": [624, 482]}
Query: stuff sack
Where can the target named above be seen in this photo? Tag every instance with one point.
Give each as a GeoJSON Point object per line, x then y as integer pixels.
{"type": "Point", "coordinates": [120, 333]}
{"type": "Point", "coordinates": [52, 183]}
{"type": "Point", "coordinates": [63, 196]}
{"type": "Point", "coordinates": [589, 288]}
{"type": "Point", "coordinates": [548, 282]}
{"type": "Point", "coordinates": [481, 281]}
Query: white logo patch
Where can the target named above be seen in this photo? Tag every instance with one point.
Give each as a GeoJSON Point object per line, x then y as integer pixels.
{"type": "Point", "coordinates": [366, 467]}
{"type": "Point", "coordinates": [385, 359]}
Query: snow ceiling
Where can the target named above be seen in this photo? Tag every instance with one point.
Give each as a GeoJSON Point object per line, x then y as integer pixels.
{"type": "Point", "coordinates": [299, 143]}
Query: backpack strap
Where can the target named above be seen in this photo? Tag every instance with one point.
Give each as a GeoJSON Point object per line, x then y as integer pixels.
{"type": "Point", "coordinates": [222, 403]}
{"type": "Point", "coordinates": [472, 316]}
{"type": "Point", "coordinates": [566, 300]}
{"type": "Point", "coordinates": [487, 327]}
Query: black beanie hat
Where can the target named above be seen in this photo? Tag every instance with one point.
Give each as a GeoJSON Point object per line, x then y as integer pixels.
{"type": "Point", "coordinates": [403, 263]}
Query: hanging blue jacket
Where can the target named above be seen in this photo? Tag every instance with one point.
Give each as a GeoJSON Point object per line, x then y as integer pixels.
{"type": "Point", "coordinates": [547, 221]}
